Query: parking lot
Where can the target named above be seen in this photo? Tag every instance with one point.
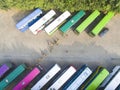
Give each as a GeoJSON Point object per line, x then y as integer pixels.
{"type": "Point", "coordinates": [19, 47]}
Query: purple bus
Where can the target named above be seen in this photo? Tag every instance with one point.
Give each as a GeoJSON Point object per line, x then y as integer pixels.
{"type": "Point", "coordinates": [24, 82]}
{"type": "Point", "coordinates": [4, 68]}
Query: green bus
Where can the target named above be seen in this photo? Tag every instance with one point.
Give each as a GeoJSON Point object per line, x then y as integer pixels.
{"type": "Point", "coordinates": [87, 21]}
{"type": "Point", "coordinates": [101, 24]}
{"type": "Point", "coordinates": [95, 79]}
{"type": "Point", "coordinates": [52, 27]}
{"type": "Point", "coordinates": [64, 28]}
{"type": "Point", "coordinates": [14, 74]}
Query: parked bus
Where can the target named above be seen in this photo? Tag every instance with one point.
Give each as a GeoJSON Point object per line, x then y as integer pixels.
{"type": "Point", "coordinates": [47, 77]}
{"type": "Point", "coordinates": [64, 28]}
{"type": "Point", "coordinates": [118, 88]}
{"type": "Point", "coordinates": [26, 22]}
{"type": "Point", "coordinates": [97, 29]}
{"type": "Point", "coordinates": [25, 82]}
{"type": "Point", "coordinates": [107, 80]}
{"type": "Point", "coordinates": [95, 79]}
{"type": "Point", "coordinates": [39, 25]}
{"type": "Point", "coordinates": [52, 26]}
{"type": "Point", "coordinates": [13, 75]}
{"type": "Point", "coordinates": [78, 78]}
{"type": "Point", "coordinates": [114, 82]}
{"type": "Point", "coordinates": [62, 79]}
{"type": "Point", "coordinates": [87, 21]}
{"type": "Point", "coordinates": [4, 68]}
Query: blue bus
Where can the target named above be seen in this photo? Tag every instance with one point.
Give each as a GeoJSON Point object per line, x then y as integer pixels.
{"type": "Point", "coordinates": [118, 88]}
{"type": "Point", "coordinates": [109, 78]}
{"type": "Point", "coordinates": [29, 20]}
{"type": "Point", "coordinates": [78, 78]}
{"type": "Point", "coordinates": [114, 82]}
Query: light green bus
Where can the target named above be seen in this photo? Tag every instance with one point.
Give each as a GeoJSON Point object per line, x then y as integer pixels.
{"type": "Point", "coordinates": [98, 28]}
{"type": "Point", "coordinates": [95, 79]}
{"type": "Point", "coordinates": [87, 21]}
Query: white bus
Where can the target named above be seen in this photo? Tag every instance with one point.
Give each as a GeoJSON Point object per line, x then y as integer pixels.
{"type": "Point", "coordinates": [114, 82]}
{"type": "Point", "coordinates": [52, 26]}
{"type": "Point", "coordinates": [62, 79]}
{"type": "Point", "coordinates": [47, 77]}
{"type": "Point", "coordinates": [39, 25]}
{"type": "Point", "coordinates": [29, 20]}
{"type": "Point", "coordinates": [78, 78]}
{"type": "Point", "coordinates": [115, 69]}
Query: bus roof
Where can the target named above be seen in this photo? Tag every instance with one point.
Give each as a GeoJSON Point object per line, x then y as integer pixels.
{"type": "Point", "coordinates": [62, 79]}
{"type": "Point", "coordinates": [114, 83]}
{"type": "Point", "coordinates": [72, 21]}
{"type": "Point", "coordinates": [78, 78]}
{"type": "Point", "coordinates": [115, 69]}
{"type": "Point", "coordinates": [42, 21]}
{"type": "Point", "coordinates": [4, 68]}
{"type": "Point", "coordinates": [87, 21]}
{"type": "Point", "coordinates": [51, 27]}
{"type": "Point", "coordinates": [27, 79]}
{"type": "Point", "coordinates": [47, 77]}
{"type": "Point", "coordinates": [102, 23]}
{"type": "Point", "coordinates": [28, 18]}
{"type": "Point", "coordinates": [93, 85]}
{"type": "Point", "coordinates": [14, 74]}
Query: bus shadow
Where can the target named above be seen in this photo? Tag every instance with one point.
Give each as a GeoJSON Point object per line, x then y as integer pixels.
{"type": "Point", "coordinates": [19, 53]}
{"type": "Point", "coordinates": [20, 15]}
